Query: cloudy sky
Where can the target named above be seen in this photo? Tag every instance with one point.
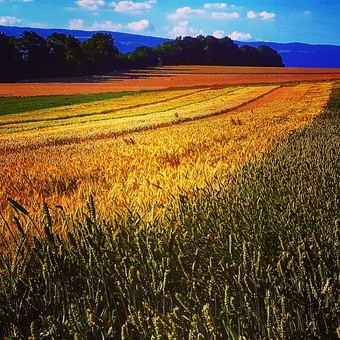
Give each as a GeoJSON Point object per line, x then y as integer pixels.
{"type": "Point", "coordinates": [310, 21]}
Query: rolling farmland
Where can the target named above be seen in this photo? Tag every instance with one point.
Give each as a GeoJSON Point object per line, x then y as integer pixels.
{"type": "Point", "coordinates": [201, 209]}
{"type": "Point", "coordinates": [139, 149]}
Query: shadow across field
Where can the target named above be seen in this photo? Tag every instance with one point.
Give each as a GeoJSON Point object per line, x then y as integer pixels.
{"type": "Point", "coordinates": [158, 78]}
{"type": "Point", "coordinates": [152, 73]}
{"type": "Point", "coordinates": [104, 78]}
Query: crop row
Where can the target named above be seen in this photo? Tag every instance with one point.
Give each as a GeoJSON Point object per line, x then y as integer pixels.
{"type": "Point", "coordinates": [156, 108]}
{"type": "Point", "coordinates": [129, 100]}
{"type": "Point", "coordinates": [145, 171]}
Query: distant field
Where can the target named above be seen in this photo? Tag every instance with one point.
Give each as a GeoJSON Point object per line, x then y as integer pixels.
{"type": "Point", "coordinates": [166, 77]}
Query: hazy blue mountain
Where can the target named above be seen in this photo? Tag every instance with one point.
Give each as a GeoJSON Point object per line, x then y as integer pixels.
{"type": "Point", "coordinates": [304, 55]}
{"type": "Point", "coordinates": [125, 42]}
{"type": "Point", "coordinates": [293, 54]}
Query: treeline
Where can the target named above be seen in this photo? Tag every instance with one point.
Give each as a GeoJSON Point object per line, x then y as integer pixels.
{"type": "Point", "coordinates": [202, 50]}
{"type": "Point", "coordinates": [60, 55]}
{"type": "Point", "coordinates": [32, 56]}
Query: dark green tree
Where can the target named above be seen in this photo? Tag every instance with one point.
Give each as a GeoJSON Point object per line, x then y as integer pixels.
{"type": "Point", "coordinates": [56, 43]}
{"type": "Point", "coordinates": [250, 56]}
{"type": "Point", "coordinates": [9, 58]}
{"type": "Point", "coordinates": [230, 52]}
{"type": "Point", "coordinates": [192, 51]}
{"type": "Point", "coordinates": [143, 56]}
{"type": "Point", "coordinates": [65, 54]}
{"type": "Point", "coordinates": [74, 57]}
{"type": "Point", "coordinates": [211, 49]}
{"type": "Point", "coordinates": [35, 54]}
{"type": "Point", "coordinates": [220, 51]}
{"type": "Point", "coordinates": [169, 52]}
{"type": "Point", "coordinates": [269, 57]}
{"type": "Point", "coordinates": [200, 50]}
{"type": "Point", "coordinates": [32, 56]}
{"type": "Point", "coordinates": [100, 53]}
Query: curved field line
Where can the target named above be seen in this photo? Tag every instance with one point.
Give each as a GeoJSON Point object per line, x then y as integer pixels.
{"type": "Point", "coordinates": [200, 103]}
{"type": "Point", "coordinates": [146, 170]}
{"type": "Point", "coordinates": [77, 110]}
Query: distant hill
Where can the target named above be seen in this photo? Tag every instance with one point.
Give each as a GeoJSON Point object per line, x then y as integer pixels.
{"type": "Point", "coordinates": [125, 42]}
{"type": "Point", "coordinates": [304, 55]}
{"type": "Point", "coordinates": [293, 54]}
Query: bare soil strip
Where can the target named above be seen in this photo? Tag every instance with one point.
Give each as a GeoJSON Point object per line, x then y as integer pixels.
{"type": "Point", "coordinates": [166, 77]}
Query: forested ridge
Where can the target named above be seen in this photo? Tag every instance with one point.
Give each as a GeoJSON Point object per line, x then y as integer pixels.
{"type": "Point", "coordinates": [60, 55]}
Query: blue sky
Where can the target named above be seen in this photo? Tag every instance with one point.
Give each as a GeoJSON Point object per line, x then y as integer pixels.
{"type": "Point", "coordinates": [312, 21]}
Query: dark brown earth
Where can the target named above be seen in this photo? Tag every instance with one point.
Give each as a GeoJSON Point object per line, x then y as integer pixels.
{"type": "Point", "coordinates": [166, 77]}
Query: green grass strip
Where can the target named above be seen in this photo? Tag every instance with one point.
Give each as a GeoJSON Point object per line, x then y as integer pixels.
{"type": "Point", "coordinates": [334, 100]}
{"type": "Point", "coordinates": [11, 105]}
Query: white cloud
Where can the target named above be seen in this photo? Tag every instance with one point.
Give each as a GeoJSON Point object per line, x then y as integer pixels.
{"type": "Point", "coordinates": [105, 26]}
{"type": "Point", "coordinates": [239, 36]}
{"type": "Point", "coordinates": [224, 15]}
{"type": "Point", "coordinates": [7, 20]}
{"type": "Point", "coordinates": [38, 25]}
{"type": "Point", "coordinates": [184, 12]}
{"type": "Point", "coordinates": [132, 7]}
{"type": "Point", "coordinates": [251, 15]}
{"type": "Point", "coordinates": [180, 29]}
{"type": "Point", "coordinates": [108, 25]}
{"type": "Point", "coordinates": [76, 24]}
{"type": "Point", "coordinates": [264, 15]}
{"type": "Point", "coordinates": [92, 5]}
{"type": "Point", "coordinates": [183, 29]}
{"type": "Point", "coordinates": [220, 5]}
{"type": "Point", "coordinates": [219, 34]}
{"type": "Point", "coordinates": [139, 26]}
{"type": "Point", "coordinates": [307, 13]}
{"type": "Point", "coordinates": [267, 16]}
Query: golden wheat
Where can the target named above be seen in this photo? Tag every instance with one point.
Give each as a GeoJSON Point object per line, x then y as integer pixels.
{"type": "Point", "coordinates": [146, 170]}
{"type": "Point", "coordinates": [140, 112]}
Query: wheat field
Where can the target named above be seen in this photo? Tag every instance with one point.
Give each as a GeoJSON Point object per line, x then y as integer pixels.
{"type": "Point", "coordinates": [139, 152]}
{"type": "Point", "coordinates": [208, 212]}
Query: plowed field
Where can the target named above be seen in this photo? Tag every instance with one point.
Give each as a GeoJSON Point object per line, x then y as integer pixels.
{"type": "Point", "coordinates": [166, 77]}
